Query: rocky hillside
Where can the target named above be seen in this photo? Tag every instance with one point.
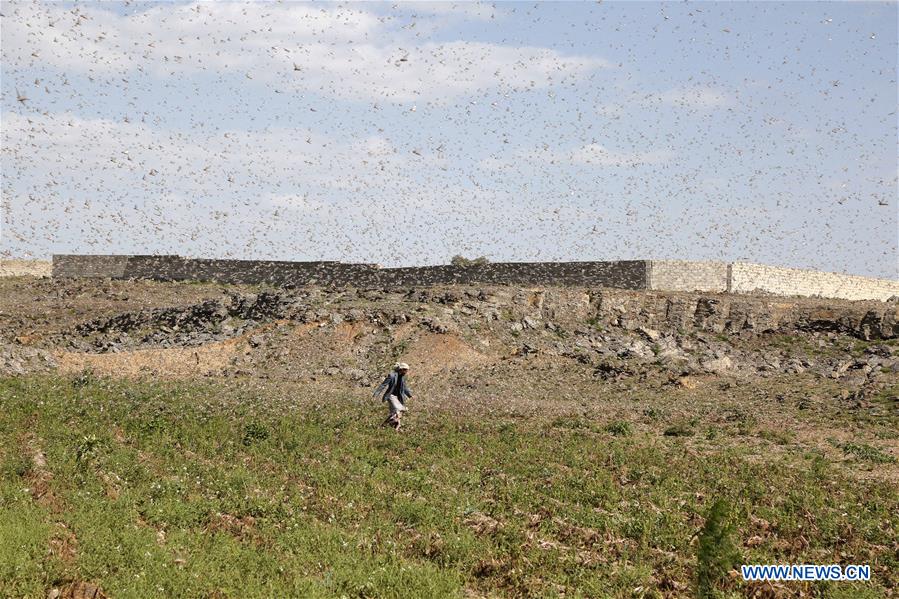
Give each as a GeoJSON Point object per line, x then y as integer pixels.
{"type": "Point", "coordinates": [173, 329]}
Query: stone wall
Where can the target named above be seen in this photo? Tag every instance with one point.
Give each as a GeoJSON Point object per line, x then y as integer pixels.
{"type": "Point", "coordinates": [112, 267]}
{"type": "Point", "coordinates": [744, 277]}
{"type": "Point", "coordinates": [663, 275]}
{"type": "Point", "coordinates": [274, 272]}
{"type": "Point", "coordinates": [624, 274]}
{"type": "Point", "coordinates": [25, 268]}
{"type": "Point", "coordinates": [682, 275]}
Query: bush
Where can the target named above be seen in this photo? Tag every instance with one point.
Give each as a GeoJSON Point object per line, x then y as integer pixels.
{"type": "Point", "coordinates": [84, 378]}
{"type": "Point", "coordinates": [253, 432]}
{"type": "Point", "coordinates": [867, 453]}
{"type": "Point", "coordinates": [717, 553]}
{"type": "Point", "coordinates": [88, 447]}
{"type": "Point", "coordinates": [458, 260]}
{"type": "Point", "coordinates": [680, 429]}
{"type": "Point", "coordinates": [619, 428]}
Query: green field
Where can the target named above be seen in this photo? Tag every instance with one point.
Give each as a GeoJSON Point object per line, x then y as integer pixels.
{"type": "Point", "coordinates": [223, 490]}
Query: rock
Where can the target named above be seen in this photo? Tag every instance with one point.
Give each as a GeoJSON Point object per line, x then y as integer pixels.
{"type": "Point", "coordinates": [671, 357]}
{"type": "Point", "coordinates": [687, 344]}
{"type": "Point", "coordinates": [526, 349]}
{"type": "Point", "coordinates": [530, 323]}
{"type": "Point", "coordinates": [355, 315]}
{"type": "Point", "coordinates": [855, 379]}
{"type": "Point", "coordinates": [516, 327]}
{"type": "Point", "coordinates": [771, 363]}
{"type": "Point", "coordinates": [336, 318]}
{"type": "Point", "coordinates": [794, 366]}
{"type": "Point", "coordinates": [15, 367]}
{"type": "Point", "coordinates": [718, 365]}
{"type": "Point", "coordinates": [355, 374]}
{"type": "Point", "coordinates": [256, 340]}
{"type": "Point", "coordinates": [606, 372]}
{"type": "Point", "coordinates": [650, 334]}
{"type": "Point", "coordinates": [637, 349]}
{"type": "Point", "coordinates": [434, 325]}
{"type": "Point", "coordinates": [628, 324]}
{"type": "Point", "coordinates": [706, 307]}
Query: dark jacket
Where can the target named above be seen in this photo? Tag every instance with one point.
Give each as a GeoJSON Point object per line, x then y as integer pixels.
{"type": "Point", "coordinates": [387, 387]}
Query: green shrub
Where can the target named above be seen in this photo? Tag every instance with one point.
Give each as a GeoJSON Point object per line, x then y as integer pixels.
{"type": "Point", "coordinates": [717, 552]}
{"type": "Point", "coordinates": [619, 428]}
{"type": "Point", "coordinates": [458, 260]}
{"type": "Point", "coordinates": [681, 429]}
{"type": "Point", "coordinates": [87, 448]}
{"type": "Point", "coordinates": [253, 432]}
{"type": "Point", "coordinates": [867, 453]}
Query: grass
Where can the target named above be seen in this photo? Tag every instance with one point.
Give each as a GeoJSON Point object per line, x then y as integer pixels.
{"type": "Point", "coordinates": [596, 323]}
{"type": "Point", "coordinates": [205, 489]}
{"type": "Point", "coordinates": [801, 345]}
{"type": "Point", "coordinates": [867, 453]}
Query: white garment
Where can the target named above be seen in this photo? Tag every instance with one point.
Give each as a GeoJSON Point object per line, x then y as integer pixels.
{"type": "Point", "coordinates": [395, 405]}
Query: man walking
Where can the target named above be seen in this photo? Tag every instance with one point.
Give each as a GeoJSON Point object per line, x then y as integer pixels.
{"type": "Point", "coordinates": [395, 393]}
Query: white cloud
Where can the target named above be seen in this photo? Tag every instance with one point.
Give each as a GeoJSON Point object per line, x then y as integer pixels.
{"type": "Point", "coordinates": [375, 146]}
{"type": "Point", "coordinates": [596, 154]}
{"type": "Point", "coordinates": [697, 97]}
{"type": "Point", "coordinates": [590, 154]}
{"type": "Point", "coordinates": [457, 10]}
{"type": "Point", "coordinates": [342, 52]}
{"type": "Point", "coordinates": [101, 186]}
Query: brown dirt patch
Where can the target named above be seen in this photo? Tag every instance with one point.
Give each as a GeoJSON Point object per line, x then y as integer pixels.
{"type": "Point", "coordinates": [348, 333]}
{"type": "Point", "coordinates": [403, 331]}
{"type": "Point", "coordinates": [64, 544]}
{"type": "Point", "coordinates": [340, 338]}
{"type": "Point", "coordinates": [77, 590]}
{"type": "Point", "coordinates": [241, 528]}
{"type": "Point", "coordinates": [39, 476]}
{"type": "Point", "coordinates": [433, 353]}
{"type": "Point", "coordinates": [482, 524]}
{"type": "Point", "coordinates": [176, 362]}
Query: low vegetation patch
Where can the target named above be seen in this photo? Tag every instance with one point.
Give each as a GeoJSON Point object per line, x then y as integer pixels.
{"type": "Point", "coordinates": [867, 453]}
{"type": "Point", "coordinates": [212, 489]}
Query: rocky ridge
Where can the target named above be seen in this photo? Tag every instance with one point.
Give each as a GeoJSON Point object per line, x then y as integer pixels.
{"type": "Point", "coordinates": [613, 334]}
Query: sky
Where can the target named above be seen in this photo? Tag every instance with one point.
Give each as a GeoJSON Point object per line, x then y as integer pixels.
{"type": "Point", "coordinates": [406, 133]}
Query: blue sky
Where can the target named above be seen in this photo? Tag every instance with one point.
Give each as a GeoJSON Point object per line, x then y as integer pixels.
{"type": "Point", "coordinates": [407, 133]}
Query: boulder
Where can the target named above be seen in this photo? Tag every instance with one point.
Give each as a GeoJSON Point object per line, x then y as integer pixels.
{"type": "Point", "coordinates": [718, 365]}
{"type": "Point", "coordinates": [649, 334]}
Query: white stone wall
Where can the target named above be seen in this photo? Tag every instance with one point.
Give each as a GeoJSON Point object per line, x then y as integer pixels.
{"type": "Point", "coordinates": [681, 275]}
{"type": "Point", "coordinates": [745, 277]}
{"type": "Point", "coordinates": [19, 268]}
